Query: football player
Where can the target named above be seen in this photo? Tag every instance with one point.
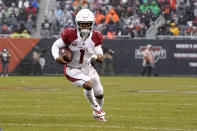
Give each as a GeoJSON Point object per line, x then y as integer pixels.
{"type": "Point", "coordinates": [85, 44]}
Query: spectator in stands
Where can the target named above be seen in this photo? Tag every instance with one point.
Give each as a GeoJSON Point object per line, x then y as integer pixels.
{"type": "Point", "coordinates": [23, 4]}
{"type": "Point", "coordinates": [3, 19]}
{"type": "Point", "coordinates": [173, 4]}
{"type": "Point", "coordinates": [22, 15]}
{"type": "Point", "coordinates": [99, 17]}
{"type": "Point", "coordinates": [46, 28]}
{"type": "Point", "coordinates": [142, 31]}
{"type": "Point", "coordinates": [161, 30]}
{"type": "Point", "coordinates": [155, 8]}
{"type": "Point", "coordinates": [182, 19]}
{"type": "Point", "coordinates": [58, 14]}
{"type": "Point", "coordinates": [5, 56]}
{"type": "Point", "coordinates": [53, 21]}
{"type": "Point", "coordinates": [10, 26]}
{"type": "Point", "coordinates": [145, 20]}
{"type": "Point", "coordinates": [149, 15]}
{"type": "Point", "coordinates": [8, 3]}
{"type": "Point", "coordinates": [15, 35]}
{"type": "Point", "coordinates": [4, 30]}
{"type": "Point", "coordinates": [112, 15]}
{"type": "Point", "coordinates": [13, 15]}
{"type": "Point", "coordinates": [34, 4]}
{"type": "Point", "coordinates": [129, 11]}
{"type": "Point", "coordinates": [144, 7]}
{"type": "Point", "coordinates": [174, 29]}
{"type": "Point", "coordinates": [31, 10]}
{"type": "Point", "coordinates": [14, 9]}
{"type": "Point", "coordinates": [119, 28]}
{"type": "Point", "coordinates": [166, 9]}
{"type": "Point", "coordinates": [25, 34]}
{"type": "Point", "coordinates": [190, 14]}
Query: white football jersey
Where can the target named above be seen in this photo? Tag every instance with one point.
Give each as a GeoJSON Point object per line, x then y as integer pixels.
{"type": "Point", "coordinates": [74, 42]}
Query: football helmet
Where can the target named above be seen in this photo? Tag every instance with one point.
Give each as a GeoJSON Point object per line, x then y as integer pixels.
{"type": "Point", "coordinates": [84, 21]}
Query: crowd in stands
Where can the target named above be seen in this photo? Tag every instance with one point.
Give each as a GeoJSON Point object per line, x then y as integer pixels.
{"type": "Point", "coordinates": [18, 17]}
{"type": "Point", "coordinates": [113, 17]}
{"type": "Point", "coordinates": [180, 18]}
{"type": "Point", "coordinates": [130, 18]}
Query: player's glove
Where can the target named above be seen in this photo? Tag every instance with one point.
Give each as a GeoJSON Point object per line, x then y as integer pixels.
{"type": "Point", "coordinates": [90, 51]}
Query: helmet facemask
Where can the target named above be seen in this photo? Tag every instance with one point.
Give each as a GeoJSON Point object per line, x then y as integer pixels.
{"type": "Point", "coordinates": [85, 28]}
{"type": "Point", "coordinates": [84, 21]}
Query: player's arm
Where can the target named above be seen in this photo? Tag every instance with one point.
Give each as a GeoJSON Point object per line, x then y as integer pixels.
{"type": "Point", "coordinates": [99, 54]}
{"type": "Point", "coordinates": [96, 53]}
{"type": "Point", "coordinates": [59, 43]}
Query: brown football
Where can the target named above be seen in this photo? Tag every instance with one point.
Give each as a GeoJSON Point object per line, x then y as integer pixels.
{"type": "Point", "coordinates": [66, 53]}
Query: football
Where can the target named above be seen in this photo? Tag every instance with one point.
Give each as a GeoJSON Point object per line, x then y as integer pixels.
{"type": "Point", "coordinates": [66, 53]}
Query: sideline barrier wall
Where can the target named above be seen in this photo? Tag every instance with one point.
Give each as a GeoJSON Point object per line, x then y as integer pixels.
{"type": "Point", "coordinates": [173, 57]}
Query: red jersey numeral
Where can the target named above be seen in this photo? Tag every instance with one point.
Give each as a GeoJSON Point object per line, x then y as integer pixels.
{"type": "Point", "coordinates": [81, 56]}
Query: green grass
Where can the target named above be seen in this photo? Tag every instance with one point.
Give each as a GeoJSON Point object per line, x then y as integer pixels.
{"type": "Point", "coordinates": [131, 103]}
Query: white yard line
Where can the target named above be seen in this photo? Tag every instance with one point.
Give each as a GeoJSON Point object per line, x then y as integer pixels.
{"type": "Point", "coordinates": [71, 97]}
{"type": "Point", "coordinates": [58, 125]}
{"type": "Point", "coordinates": [92, 126]}
{"type": "Point", "coordinates": [166, 129]}
{"type": "Point", "coordinates": [77, 115]}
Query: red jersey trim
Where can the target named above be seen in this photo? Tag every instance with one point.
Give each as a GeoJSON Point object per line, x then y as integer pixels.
{"type": "Point", "coordinates": [69, 77]}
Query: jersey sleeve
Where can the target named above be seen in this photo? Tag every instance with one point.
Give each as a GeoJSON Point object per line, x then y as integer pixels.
{"type": "Point", "coordinates": [97, 38]}
{"type": "Point", "coordinates": [56, 46]}
{"type": "Point", "coordinates": [68, 35]}
{"type": "Point", "coordinates": [65, 35]}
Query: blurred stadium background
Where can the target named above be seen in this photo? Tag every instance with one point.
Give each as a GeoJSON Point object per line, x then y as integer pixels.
{"type": "Point", "coordinates": [36, 96]}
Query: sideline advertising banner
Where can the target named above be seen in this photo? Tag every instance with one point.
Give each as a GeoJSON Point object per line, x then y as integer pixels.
{"type": "Point", "coordinates": [172, 57]}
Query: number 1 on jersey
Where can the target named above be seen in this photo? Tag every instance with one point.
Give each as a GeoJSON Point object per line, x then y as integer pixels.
{"type": "Point", "coordinates": [81, 56]}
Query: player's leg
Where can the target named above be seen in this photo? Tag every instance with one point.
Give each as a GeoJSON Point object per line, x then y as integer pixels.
{"type": "Point", "coordinates": [98, 91]}
{"type": "Point", "coordinates": [78, 78]}
{"type": "Point", "coordinates": [89, 94]}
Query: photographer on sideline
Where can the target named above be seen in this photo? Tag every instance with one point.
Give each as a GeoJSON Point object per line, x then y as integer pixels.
{"type": "Point", "coordinates": [107, 68]}
{"type": "Point", "coordinates": [5, 56]}
{"type": "Point", "coordinates": [148, 61]}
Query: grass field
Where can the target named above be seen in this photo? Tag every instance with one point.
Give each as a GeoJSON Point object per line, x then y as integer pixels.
{"type": "Point", "coordinates": [131, 104]}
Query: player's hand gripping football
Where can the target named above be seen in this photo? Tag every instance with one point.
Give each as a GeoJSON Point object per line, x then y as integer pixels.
{"type": "Point", "coordinates": [90, 51]}
{"type": "Point", "coordinates": [61, 60]}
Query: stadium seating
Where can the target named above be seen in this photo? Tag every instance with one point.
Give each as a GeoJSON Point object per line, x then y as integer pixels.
{"type": "Point", "coordinates": [18, 17]}
{"type": "Point", "coordinates": [114, 18]}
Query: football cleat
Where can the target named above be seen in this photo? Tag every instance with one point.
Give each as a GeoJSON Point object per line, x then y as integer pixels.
{"type": "Point", "coordinates": [101, 118]}
{"type": "Point", "coordinates": [98, 113]}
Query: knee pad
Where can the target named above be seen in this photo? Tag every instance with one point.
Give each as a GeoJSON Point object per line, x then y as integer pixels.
{"type": "Point", "coordinates": [99, 97]}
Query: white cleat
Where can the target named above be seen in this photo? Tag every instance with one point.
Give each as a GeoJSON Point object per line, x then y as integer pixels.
{"type": "Point", "coordinates": [101, 118]}
{"type": "Point", "coordinates": [98, 113]}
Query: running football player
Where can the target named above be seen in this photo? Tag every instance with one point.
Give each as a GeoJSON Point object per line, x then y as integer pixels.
{"type": "Point", "coordinates": [85, 44]}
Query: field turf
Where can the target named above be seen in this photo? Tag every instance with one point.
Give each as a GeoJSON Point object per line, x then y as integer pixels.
{"type": "Point", "coordinates": [51, 103]}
